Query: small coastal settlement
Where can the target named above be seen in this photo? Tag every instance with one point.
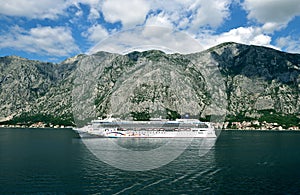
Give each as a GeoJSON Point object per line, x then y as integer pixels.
{"type": "Point", "coordinates": [35, 125]}
{"type": "Point", "coordinates": [253, 125]}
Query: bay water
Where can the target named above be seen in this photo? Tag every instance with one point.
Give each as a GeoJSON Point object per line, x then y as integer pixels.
{"type": "Point", "coordinates": [56, 161]}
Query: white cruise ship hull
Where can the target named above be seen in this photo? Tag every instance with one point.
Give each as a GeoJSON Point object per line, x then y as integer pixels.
{"type": "Point", "coordinates": [145, 134]}
{"type": "Point", "coordinates": [111, 128]}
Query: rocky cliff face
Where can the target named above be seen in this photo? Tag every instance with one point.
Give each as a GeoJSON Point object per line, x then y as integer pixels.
{"type": "Point", "coordinates": [259, 79]}
{"type": "Point", "coordinates": [240, 81]}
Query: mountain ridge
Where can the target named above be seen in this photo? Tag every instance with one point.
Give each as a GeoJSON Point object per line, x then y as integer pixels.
{"type": "Point", "coordinates": [257, 81]}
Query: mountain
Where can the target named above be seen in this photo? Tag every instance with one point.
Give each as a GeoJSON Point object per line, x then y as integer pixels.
{"type": "Point", "coordinates": [241, 82]}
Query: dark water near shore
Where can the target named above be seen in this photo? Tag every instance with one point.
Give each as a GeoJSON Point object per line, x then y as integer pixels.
{"type": "Point", "coordinates": [49, 161]}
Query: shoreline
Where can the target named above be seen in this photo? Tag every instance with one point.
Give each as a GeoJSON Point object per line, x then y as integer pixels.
{"type": "Point", "coordinates": [70, 127]}
{"type": "Point", "coordinates": [266, 130]}
{"type": "Point", "coordinates": [16, 127]}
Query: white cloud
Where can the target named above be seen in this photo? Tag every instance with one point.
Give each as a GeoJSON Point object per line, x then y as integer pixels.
{"type": "Point", "coordinates": [130, 13]}
{"type": "Point", "coordinates": [244, 35]}
{"type": "Point", "coordinates": [274, 14]}
{"type": "Point", "coordinates": [159, 20]}
{"type": "Point", "coordinates": [270, 27]}
{"type": "Point", "coordinates": [186, 14]}
{"type": "Point", "coordinates": [79, 13]}
{"type": "Point", "coordinates": [94, 14]}
{"type": "Point", "coordinates": [95, 7]}
{"type": "Point", "coordinates": [48, 9]}
{"type": "Point", "coordinates": [88, 2]}
{"type": "Point", "coordinates": [211, 13]}
{"type": "Point", "coordinates": [193, 15]}
{"type": "Point", "coordinates": [33, 8]}
{"type": "Point", "coordinates": [289, 44]}
{"type": "Point", "coordinates": [57, 41]}
{"type": "Point", "coordinates": [183, 23]}
{"type": "Point", "coordinates": [96, 33]}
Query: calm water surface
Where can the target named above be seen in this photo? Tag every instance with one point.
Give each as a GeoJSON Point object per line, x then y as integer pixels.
{"type": "Point", "coordinates": [48, 161]}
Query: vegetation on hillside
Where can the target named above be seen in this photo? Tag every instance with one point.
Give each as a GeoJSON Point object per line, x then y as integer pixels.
{"type": "Point", "coordinates": [29, 119]}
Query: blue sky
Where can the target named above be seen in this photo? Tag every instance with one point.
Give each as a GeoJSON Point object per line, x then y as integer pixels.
{"type": "Point", "coordinates": [53, 30]}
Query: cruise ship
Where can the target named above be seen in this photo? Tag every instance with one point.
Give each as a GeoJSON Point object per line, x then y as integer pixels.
{"type": "Point", "coordinates": [155, 128]}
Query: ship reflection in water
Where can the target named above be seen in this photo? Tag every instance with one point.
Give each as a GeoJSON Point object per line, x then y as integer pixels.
{"type": "Point", "coordinates": [141, 154]}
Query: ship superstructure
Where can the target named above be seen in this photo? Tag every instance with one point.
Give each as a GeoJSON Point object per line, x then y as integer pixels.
{"type": "Point", "coordinates": [155, 128]}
